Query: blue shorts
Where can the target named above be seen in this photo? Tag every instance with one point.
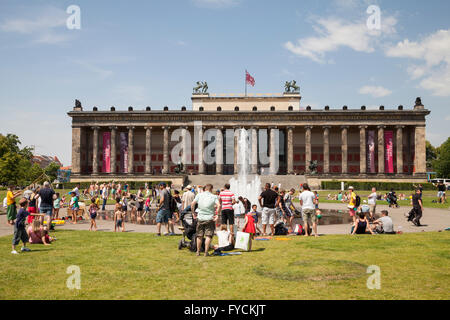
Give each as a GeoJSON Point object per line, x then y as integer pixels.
{"type": "Point", "coordinates": [163, 216]}
{"type": "Point", "coordinates": [47, 210]}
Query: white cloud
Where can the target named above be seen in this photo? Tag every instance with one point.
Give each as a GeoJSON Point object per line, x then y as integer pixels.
{"type": "Point", "coordinates": [43, 26]}
{"type": "Point", "coordinates": [334, 33]}
{"type": "Point", "coordinates": [434, 52]}
{"type": "Point", "coordinates": [216, 3]}
{"type": "Point", "coordinates": [102, 73]}
{"type": "Point", "coordinates": [447, 118]}
{"type": "Point", "coordinates": [376, 92]}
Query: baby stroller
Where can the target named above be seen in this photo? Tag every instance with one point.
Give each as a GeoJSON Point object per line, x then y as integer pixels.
{"type": "Point", "coordinates": [189, 227]}
{"type": "Point", "coordinates": [392, 199]}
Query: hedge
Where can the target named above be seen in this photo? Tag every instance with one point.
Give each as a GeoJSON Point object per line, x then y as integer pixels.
{"type": "Point", "coordinates": [133, 185]}
{"type": "Point", "coordinates": [368, 185]}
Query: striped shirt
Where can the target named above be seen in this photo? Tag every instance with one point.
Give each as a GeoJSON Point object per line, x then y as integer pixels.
{"type": "Point", "coordinates": [226, 197]}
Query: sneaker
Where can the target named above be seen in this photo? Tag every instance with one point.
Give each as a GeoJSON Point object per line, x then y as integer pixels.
{"type": "Point", "coordinates": [25, 249]}
{"type": "Point", "coordinates": [158, 234]}
{"type": "Point", "coordinates": [14, 252]}
{"type": "Point", "coordinates": [166, 234]}
{"type": "Point", "coordinates": [172, 234]}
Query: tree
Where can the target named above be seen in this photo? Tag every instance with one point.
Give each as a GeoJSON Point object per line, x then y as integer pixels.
{"type": "Point", "coordinates": [442, 163]}
{"type": "Point", "coordinates": [52, 171]}
{"type": "Point", "coordinates": [431, 154]}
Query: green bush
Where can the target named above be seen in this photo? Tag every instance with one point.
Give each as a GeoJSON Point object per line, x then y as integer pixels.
{"type": "Point", "coordinates": [368, 185]}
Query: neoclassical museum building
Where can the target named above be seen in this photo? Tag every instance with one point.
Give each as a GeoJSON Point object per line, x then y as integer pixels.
{"type": "Point", "coordinates": [323, 144]}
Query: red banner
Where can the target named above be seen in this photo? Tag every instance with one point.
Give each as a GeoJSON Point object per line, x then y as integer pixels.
{"type": "Point", "coordinates": [249, 79]}
{"type": "Point", "coordinates": [124, 152]}
{"type": "Point", "coordinates": [389, 149]}
{"type": "Point", "coordinates": [371, 153]}
{"type": "Point", "coordinates": [106, 152]}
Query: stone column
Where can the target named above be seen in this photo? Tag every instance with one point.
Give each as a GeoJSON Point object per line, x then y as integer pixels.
{"type": "Point", "coordinates": [362, 150]}
{"type": "Point", "coordinates": [290, 150]}
{"type": "Point", "coordinates": [381, 149]}
{"type": "Point", "coordinates": [273, 152]}
{"type": "Point", "coordinates": [95, 151]}
{"type": "Point", "coordinates": [254, 160]}
{"type": "Point", "coordinates": [344, 149]}
{"type": "Point", "coordinates": [201, 163]}
{"type": "Point", "coordinates": [184, 157]}
{"type": "Point", "coordinates": [308, 148]}
{"type": "Point", "coordinates": [76, 150]}
{"type": "Point", "coordinates": [420, 159]}
{"type": "Point", "coordinates": [399, 137]}
{"type": "Point", "coordinates": [148, 150]}
{"type": "Point", "coordinates": [113, 149]}
{"type": "Point", "coordinates": [236, 148]}
{"type": "Point", "coordinates": [165, 150]}
{"type": "Point", "coordinates": [219, 150]}
{"type": "Point", "coordinates": [326, 150]}
{"type": "Point", "coordinates": [130, 150]}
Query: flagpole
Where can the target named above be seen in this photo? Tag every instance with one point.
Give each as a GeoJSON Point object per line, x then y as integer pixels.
{"type": "Point", "coordinates": [245, 82]}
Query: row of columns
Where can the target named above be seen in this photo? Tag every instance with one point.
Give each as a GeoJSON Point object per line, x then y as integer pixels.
{"type": "Point", "coordinates": [420, 161]}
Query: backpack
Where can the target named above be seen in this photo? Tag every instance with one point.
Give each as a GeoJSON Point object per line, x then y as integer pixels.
{"type": "Point", "coordinates": [357, 201]}
{"type": "Point", "coordinates": [172, 203]}
{"type": "Point", "coordinates": [281, 230]}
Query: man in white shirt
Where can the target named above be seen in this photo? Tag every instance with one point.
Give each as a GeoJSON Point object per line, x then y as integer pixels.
{"type": "Point", "coordinates": [187, 198]}
{"type": "Point", "coordinates": [307, 201]}
{"type": "Point", "coordinates": [372, 202]}
{"type": "Point", "coordinates": [385, 224]}
{"type": "Point", "coordinates": [104, 197]}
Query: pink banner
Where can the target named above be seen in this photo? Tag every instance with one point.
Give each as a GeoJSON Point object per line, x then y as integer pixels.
{"type": "Point", "coordinates": [371, 153]}
{"type": "Point", "coordinates": [106, 152]}
{"type": "Point", "coordinates": [124, 152]}
{"type": "Point", "coordinates": [389, 146]}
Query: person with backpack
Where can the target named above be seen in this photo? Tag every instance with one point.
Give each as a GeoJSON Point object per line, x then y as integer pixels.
{"type": "Point", "coordinates": [307, 201]}
{"type": "Point", "coordinates": [354, 203]}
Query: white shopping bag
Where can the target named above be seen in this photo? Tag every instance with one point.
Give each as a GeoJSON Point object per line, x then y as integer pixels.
{"type": "Point", "coordinates": [242, 241]}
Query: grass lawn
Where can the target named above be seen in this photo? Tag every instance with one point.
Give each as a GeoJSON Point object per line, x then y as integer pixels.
{"type": "Point", "coordinates": [142, 266]}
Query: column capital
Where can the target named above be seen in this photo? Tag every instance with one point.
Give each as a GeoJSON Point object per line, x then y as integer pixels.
{"type": "Point", "coordinates": [381, 127]}
{"type": "Point", "coordinates": [400, 127]}
{"type": "Point", "coordinates": [363, 127]}
{"type": "Point", "coordinates": [165, 127]}
{"type": "Point", "coordinates": [148, 128]}
{"type": "Point", "coordinates": [308, 127]}
{"type": "Point", "coordinates": [345, 127]}
{"type": "Point", "coordinates": [130, 127]}
{"type": "Point", "coordinates": [218, 127]}
{"type": "Point", "coordinates": [95, 128]}
{"type": "Point", "coordinates": [113, 127]}
{"type": "Point", "coordinates": [326, 127]}
{"type": "Point", "coordinates": [290, 127]}
{"type": "Point", "coordinates": [420, 126]}
{"type": "Point", "coordinates": [272, 127]}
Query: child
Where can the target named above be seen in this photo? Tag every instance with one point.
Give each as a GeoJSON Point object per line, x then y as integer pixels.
{"type": "Point", "coordinates": [38, 234]}
{"type": "Point", "coordinates": [11, 204]}
{"type": "Point", "coordinates": [255, 214]}
{"type": "Point", "coordinates": [226, 240]}
{"type": "Point", "coordinates": [74, 207]}
{"type": "Point", "coordinates": [56, 206]}
{"type": "Point", "coordinates": [20, 234]}
{"type": "Point", "coordinates": [118, 217]}
{"type": "Point", "coordinates": [249, 227]}
{"type": "Point", "coordinates": [93, 214]}
{"type": "Point", "coordinates": [147, 206]}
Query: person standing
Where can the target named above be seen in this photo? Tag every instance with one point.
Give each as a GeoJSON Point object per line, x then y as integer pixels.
{"type": "Point", "coordinates": [352, 208]}
{"type": "Point", "coordinates": [163, 215]}
{"type": "Point", "coordinates": [104, 196]}
{"type": "Point", "coordinates": [227, 200]}
{"type": "Point", "coordinates": [11, 209]}
{"type": "Point", "coordinates": [187, 198]}
{"type": "Point", "coordinates": [441, 192]}
{"type": "Point", "coordinates": [307, 202]}
{"type": "Point", "coordinates": [267, 201]}
{"type": "Point", "coordinates": [46, 195]}
{"type": "Point", "coordinates": [208, 205]}
{"type": "Point", "coordinates": [372, 202]}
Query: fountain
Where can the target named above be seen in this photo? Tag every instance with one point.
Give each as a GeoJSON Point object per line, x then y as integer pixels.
{"type": "Point", "coordinates": [245, 185]}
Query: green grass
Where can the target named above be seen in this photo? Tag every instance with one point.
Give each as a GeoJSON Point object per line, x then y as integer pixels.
{"type": "Point", "coordinates": [142, 266]}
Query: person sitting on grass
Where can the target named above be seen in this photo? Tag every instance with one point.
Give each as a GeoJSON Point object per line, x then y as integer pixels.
{"type": "Point", "coordinates": [93, 208]}
{"type": "Point", "coordinates": [384, 224]}
{"type": "Point", "coordinates": [226, 240]}
{"type": "Point", "coordinates": [37, 234]}
{"type": "Point", "coordinates": [20, 234]}
{"type": "Point", "coordinates": [361, 225]}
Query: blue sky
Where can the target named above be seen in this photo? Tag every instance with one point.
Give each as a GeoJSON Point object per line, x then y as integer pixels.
{"type": "Point", "coordinates": [151, 53]}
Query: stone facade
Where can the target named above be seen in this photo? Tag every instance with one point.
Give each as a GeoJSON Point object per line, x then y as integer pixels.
{"type": "Point", "coordinates": [336, 139]}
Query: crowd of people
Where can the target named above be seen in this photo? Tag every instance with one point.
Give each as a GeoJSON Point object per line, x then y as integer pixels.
{"type": "Point", "coordinates": [210, 208]}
